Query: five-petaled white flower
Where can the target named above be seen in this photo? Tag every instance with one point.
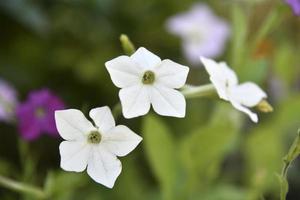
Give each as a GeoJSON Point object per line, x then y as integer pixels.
{"type": "Point", "coordinates": [226, 83]}
{"type": "Point", "coordinates": [94, 147]}
{"type": "Point", "coordinates": [145, 79]}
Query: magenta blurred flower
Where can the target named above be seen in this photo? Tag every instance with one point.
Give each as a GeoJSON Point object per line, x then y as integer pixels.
{"type": "Point", "coordinates": [8, 101]}
{"type": "Point", "coordinates": [295, 4]}
{"type": "Point", "coordinates": [202, 32]}
{"type": "Point", "coordinates": [36, 114]}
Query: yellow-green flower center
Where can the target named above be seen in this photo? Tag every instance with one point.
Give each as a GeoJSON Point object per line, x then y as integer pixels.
{"type": "Point", "coordinates": [148, 77]}
{"type": "Point", "coordinates": [40, 112]}
{"type": "Point", "coordinates": [94, 137]}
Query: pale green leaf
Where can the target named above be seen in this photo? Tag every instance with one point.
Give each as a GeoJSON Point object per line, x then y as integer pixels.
{"type": "Point", "coordinates": [161, 153]}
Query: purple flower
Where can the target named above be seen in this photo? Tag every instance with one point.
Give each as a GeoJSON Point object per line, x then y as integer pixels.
{"type": "Point", "coordinates": [202, 33]}
{"type": "Point", "coordinates": [8, 101]}
{"type": "Point", "coordinates": [36, 114]}
{"type": "Point", "coordinates": [295, 4]}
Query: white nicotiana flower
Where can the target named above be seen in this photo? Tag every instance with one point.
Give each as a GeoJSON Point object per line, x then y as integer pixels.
{"type": "Point", "coordinates": [145, 79]}
{"type": "Point", "coordinates": [241, 96]}
{"type": "Point", "coordinates": [94, 147]}
{"type": "Point", "coordinates": [202, 32]}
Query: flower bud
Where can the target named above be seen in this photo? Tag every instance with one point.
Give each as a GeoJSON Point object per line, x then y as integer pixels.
{"type": "Point", "coordinates": [264, 106]}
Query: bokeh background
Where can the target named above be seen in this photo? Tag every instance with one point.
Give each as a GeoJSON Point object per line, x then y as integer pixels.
{"type": "Point", "coordinates": [215, 153]}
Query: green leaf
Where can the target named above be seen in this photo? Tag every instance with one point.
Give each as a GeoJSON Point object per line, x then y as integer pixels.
{"type": "Point", "coordinates": [264, 146]}
{"type": "Point", "coordinates": [223, 192]}
{"type": "Point", "coordinates": [287, 116]}
{"type": "Point", "coordinates": [132, 184]}
{"type": "Point", "coordinates": [161, 153]}
{"type": "Point", "coordinates": [254, 70]}
{"type": "Point", "coordinates": [203, 151]}
{"type": "Point", "coordinates": [240, 30]}
{"type": "Point", "coordinates": [263, 153]}
{"type": "Point", "coordinates": [63, 185]}
{"type": "Point", "coordinates": [285, 64]}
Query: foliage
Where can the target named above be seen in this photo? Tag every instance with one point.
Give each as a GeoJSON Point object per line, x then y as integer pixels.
{"type": "Point", "coordinates": [215, 153]}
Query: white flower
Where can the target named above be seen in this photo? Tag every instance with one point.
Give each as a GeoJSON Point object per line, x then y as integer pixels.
{"type": "Point", "coordinates": [145, 79]}
{"type": "Point", "coordinates": [94, 147]}
{"type": "Point", "coordinates": [226, 83]}
{"type": "Point", "coordinates": [202, 32]}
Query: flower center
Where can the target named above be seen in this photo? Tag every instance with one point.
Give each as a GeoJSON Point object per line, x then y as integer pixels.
{"type": "Point", "coordinates": [148, 77]}
{"type": "Point", "coordinates": [40, 112]}
{"type": "Point", "coordinates": [94, 137]}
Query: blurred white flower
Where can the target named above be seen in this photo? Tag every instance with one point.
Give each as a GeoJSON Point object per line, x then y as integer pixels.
{"type": "Point", "coordinates": [8, 101]}
{"type": "Point", "coordinates": [94, 147]}
{"type": "Point", "coordinates": [202, 32]}
{"type": "Point", "coordinates": [145, 79]}
{"type": "Point", "coordinates": [241, 96]}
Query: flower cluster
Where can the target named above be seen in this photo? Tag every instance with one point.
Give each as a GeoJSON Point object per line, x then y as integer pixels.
{"type": "Point", "coordinates": [144, 80]}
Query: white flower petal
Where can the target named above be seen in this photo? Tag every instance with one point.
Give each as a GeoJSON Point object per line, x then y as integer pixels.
{"type": "Point", "coordinates": [248, 94]}
{"type": "Point", "coordinates": [145, 59]}
{"type": "Point", "coordinates": [171, 74]}
{"type": "Point", "coordinates": [168, 102]}
{"type": "Point", "coordinates": [103, 166]}
{"type": "Point", "coordinates": [103, 118]}
{"type": "Point", "coordinates": [221, 76]}
{"type": "Point", "coordinates": [121, 140]}
{"type": "Point", "coordinates": [74, 155]}
{"type": "Point", "coordinates": [72, 124]}
{"type": "Point", "coordinates": [123, 71]}
{"type": "Point", "coordinates": [239, 107]}
{"type": "Point", "coordinates": [135, 101]}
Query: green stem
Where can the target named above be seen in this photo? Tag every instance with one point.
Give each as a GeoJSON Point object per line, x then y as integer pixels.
{"type": "Point", "coordinates": [293, 153]}
{"type": "Point", "coordinates": [284, 187]}
{"type": "Point", "coordinates": [117, 110]}
{"type": "Point", "coordinates": [22, 187]}
{"type": "Point", "coordinates": [198, 91]}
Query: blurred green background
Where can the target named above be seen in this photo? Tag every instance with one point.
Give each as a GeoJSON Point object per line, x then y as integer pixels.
{"type": "Point", "coordinates": [215, 153]}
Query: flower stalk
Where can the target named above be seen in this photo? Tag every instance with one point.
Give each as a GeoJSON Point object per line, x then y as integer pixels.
{"type": "Point", "coordinates": [22, 187]}
{"type": "Point", "coordinates": [293, 153]}
{"type": "Point", "coordinates": [191, 92]}
{"type": "Point", "coordinates": [117, 110]}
